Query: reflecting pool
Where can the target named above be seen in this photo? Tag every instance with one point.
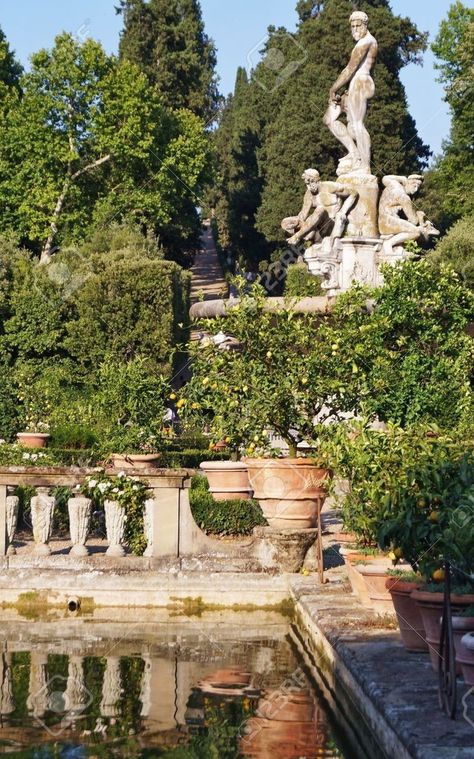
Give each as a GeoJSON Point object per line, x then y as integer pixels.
{"type": "Point", "coordinates": [223, 685]}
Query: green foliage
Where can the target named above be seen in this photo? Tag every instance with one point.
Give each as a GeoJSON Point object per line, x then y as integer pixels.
{"type": "Point", "coordinates": [75, 437]}
{"type": "Point", "coordinates": [456, 249]}
{"type": "Point", "coordinates": [129, 308]}
{"type": "Point", "coordinates": [429, 511]}
{"type": "Point", "coordinates": [167, 41]}
{"type": "Point", "coordinates": [454, 48]}
{"type": "Point", "coordinates": [91, 141]}
{"type": "Point", "coordinates": [411, 358]}
{"type": "Point", "coordinates": [223, 517]}
{"type": "Point", "coordinates": [279, 379]}
{"type": "Point", "coordinates": [300, 283]}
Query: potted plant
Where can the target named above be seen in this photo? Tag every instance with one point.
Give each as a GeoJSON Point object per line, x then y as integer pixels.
{"type": "Point", "coordinates": [401, 585]}
{"type": "Point", "coordinates": [275, 374]}
{"type": "Point", "coordinates": [129, 412]}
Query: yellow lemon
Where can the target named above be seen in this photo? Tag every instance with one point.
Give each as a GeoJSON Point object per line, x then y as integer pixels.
{"type": "Point", "coordinates": [181, 403]}
{"type": "Point", "coordinates": [173, 397]}
{"type": "Point", "coordinates": [269, 354]}
{"type": "Point", "coordinates": [434, 516]}
{"type": "Point", "coordinates": [438, 575]}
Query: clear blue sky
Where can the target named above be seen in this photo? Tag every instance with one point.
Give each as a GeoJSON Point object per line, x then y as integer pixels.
{"type": "Point", "coordinates": [237, 28]}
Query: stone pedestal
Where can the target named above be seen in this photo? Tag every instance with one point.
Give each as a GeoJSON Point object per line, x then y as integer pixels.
{"type": "Point", "coordinates": [12, 506]}
{"type": "Point", "coordinates": [352, 259]}
{"type": "Point", "coordinates": [363, 219]}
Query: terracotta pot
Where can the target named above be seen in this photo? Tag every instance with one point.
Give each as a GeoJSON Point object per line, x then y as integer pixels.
{"type": "Point", "coordinates": [225, 677]}
{"type": "Point", "coordinates": [228, 480]}
{"type": "Point", "coordinates": [408, 614]}
{"type": "Point", "coordinates": [33, 439]}
{"type": "Point", "coordinates": [345, 537]}
{"type": "Point", "coordinates": [290, 491]}
{"type": "Point", "coordinates": [135, 460]}
{"type": "Point", "coordinates": [352, 560]}
{"type": "Point", "coordinates": [374, 575]}
{"type": "Point", "coordinates": [466, 657]}
{"type": "Point", "coordinates": [431, 608]}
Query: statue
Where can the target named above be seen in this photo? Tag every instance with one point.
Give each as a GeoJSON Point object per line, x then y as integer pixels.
{"type": "Point", "coordinates": [396, 199]}
{"type": "Point", "coordinates": [353, 103]}
{"type": "Point", "coordinates": [324, 212]}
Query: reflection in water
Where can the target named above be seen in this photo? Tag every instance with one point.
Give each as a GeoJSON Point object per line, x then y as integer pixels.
{"type": "Point", "coordinates": [181, 699]}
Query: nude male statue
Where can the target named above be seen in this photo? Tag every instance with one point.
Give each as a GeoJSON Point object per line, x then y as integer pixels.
{"type": "Point", "coordinates": [353, 103]}
{"type": "Point", "coordinates": [396, 200]}
{"type": "Point", "coordinates": [324, 212]}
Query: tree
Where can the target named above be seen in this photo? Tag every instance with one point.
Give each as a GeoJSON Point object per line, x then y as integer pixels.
{"type": "Point", "coordinates": [167, 40]}
{"type": "Point", "coordinates": [10, 71]}
{"type": "Point", "coordinates": [454, 48]}
{"type": "Point", "coordinates": [90, 140]}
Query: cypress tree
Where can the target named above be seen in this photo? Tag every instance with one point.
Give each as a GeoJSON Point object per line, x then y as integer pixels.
{"type": "Point", "coordinates": [167, 40]}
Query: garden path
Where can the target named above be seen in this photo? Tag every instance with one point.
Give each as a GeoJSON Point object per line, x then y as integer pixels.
{"type": "Point", "coordinates": [208, 281]}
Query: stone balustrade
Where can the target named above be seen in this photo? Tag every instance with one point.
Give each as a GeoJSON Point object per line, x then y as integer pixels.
{"type": "Point", "coordinates": [164, 512]}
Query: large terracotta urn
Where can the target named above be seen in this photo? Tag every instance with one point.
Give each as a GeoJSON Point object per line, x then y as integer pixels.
{"type": "Point", "coordinates": [431, 608]}
{"type": "Point", "coordinates": [228, 480]}
{"type": "Point", "coordinates": [291, 492]}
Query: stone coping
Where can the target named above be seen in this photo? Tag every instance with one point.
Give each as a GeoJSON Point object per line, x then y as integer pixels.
{"type": "Point", "coordinates": [53, 476]}
{"type": "Point", "coordinates": [383, 696]}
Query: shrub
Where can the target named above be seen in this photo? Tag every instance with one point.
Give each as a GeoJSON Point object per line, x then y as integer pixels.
{"type": "Point", "coordinates": [223, 517]}
{"type": "Point", "coordinates": [300, 283]}
{"type": "Point", "coordinates": [130, 308]}
{"type": "Point", "coordinates": [456, 249]}
{"type": "Point", "coordinates": [72, 437]}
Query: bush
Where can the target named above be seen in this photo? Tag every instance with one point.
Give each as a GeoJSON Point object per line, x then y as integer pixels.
{"type": "Point", "coordinates": [456, 249]}
{"type": "Point", "coordinates": [130, 308]}
{"type": "Point", "coordinates": [72, 437]}
{"type": "Point", "coordinates": [300, 283]}
{"type": "Point", "coordinates": [223, 517]}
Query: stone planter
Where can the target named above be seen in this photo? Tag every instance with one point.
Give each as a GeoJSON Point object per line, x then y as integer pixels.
{"type": "Point", "coordinates": [466, 657]}
{"type": "Point", "coordinates": [12, 506]}
{"type": "Point", "coordinates": [291, 492]}
{"type": "Point", "coordinates": [115, 519]}
{"type": "Point", "coordinates": [148, 525]}
{"type": "Point", "coordinates": [33, 439]}
{"type": "Point", "coordinates": [408, 614]}
{"type": "Point", "coordinates": [431, 609]}
{"type": "Point", "coordinates": [135, 460]}
{"type": "Point", "coordinates": [42, 509]}
{"type": "Point", "coordinates": [80, 511]}
{"type": "Point", "coordinates": [228, 480]}
{"type": "Point", "coordinates": [374, 577]}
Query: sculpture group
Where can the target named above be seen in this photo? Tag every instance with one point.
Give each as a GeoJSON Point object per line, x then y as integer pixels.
{"type": "Point", "coordinates": [352, 225]}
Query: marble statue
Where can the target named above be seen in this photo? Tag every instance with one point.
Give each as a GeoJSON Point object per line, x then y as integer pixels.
{"type": "Point", "coordinates": [396, 199]}
{"type": "Point", "coordinates": [324, 212]}
{"type": "Point", "coordinates": [353, 103]}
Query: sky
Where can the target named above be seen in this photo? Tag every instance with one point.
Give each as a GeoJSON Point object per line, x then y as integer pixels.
{"type": "Point", "coordinates": [238, 29]}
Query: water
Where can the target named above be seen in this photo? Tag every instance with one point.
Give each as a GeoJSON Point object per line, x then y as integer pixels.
{"type": "Point", "coordinates": [221, 686]}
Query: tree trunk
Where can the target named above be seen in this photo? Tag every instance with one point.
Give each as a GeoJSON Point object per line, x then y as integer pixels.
{"type": "Point", "coordinates": [47, 251]}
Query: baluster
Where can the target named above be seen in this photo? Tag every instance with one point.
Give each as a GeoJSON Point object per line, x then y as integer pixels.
{"type": "Point", "coordinates": [42, 509]}
{"type": "Point", "coordinates": [80, 511]}
{"type": "Point", "coordinates": [115, 526]}
{"type": "Point", "coordinates": [111, 688]}
{"type": "Point", "coordinates": [12, 506]}
{"type": "Point", "coordinates": [145, 690]}
{"type": "Point", "coordinates": [38, 697]}
{"type": "Point", "coordinates": [7, 705]}
{"type": "Point", "coordinates": [76, 695]}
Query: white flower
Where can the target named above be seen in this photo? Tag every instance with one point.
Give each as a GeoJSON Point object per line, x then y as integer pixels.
{"type": "Point", "coordinates": [121, 474]}
{"type": "Point", "coordinates": [34, 456]}
{"type": "Point", "coordinates": [78, 487]}
{"type": "Point", "coordinates": [103, 486]}
{"type": "Point", "coordinates": [115, 490]}
{"type": "Point", "coordinates": [26, 456]}
{"type": "Point", "coordinates": [2, 441]}
{"type": "Point", "coordinates": [135, 487]}
{"type": "Point", "coordinates": [93, 484]}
